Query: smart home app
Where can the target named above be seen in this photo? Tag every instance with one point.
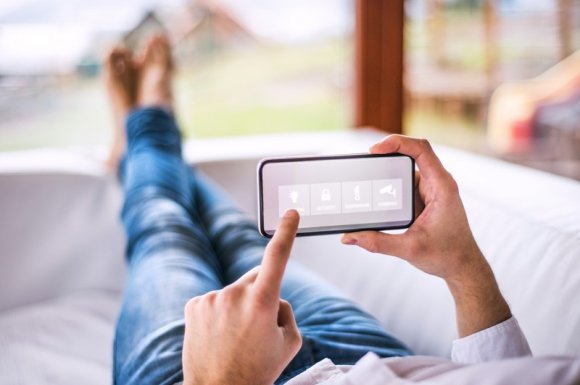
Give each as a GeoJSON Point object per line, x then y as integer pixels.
{"type": "Point", "coordinates": [334, 194]}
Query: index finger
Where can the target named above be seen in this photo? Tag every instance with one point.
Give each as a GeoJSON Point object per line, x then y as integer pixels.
{"type": "Point", "coordinates": [276, 256]}
{"type": "Point", "coordinates": [418, 149]}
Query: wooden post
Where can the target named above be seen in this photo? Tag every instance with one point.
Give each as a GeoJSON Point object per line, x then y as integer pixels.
{"type": "Point", "coordinates": [490, 35]}
{"type": "Point", "coordinates": [379, 64]}
{"type": "Point", "coordinates": [564, 28]}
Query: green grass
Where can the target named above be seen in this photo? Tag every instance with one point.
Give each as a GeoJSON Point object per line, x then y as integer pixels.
{"type": "Point", "coordinates": [268, 89]}
{"type": "Point", "coordinates": [262, 89]}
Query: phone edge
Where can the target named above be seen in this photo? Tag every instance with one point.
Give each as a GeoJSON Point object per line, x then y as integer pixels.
{"type": "Point", "coordinates": [260, 203]}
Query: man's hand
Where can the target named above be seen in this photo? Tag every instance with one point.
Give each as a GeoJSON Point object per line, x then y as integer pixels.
{"type": "Point", "coordinates": [244, 333]}
{"type": "Point", "coordinates": [440, 241]}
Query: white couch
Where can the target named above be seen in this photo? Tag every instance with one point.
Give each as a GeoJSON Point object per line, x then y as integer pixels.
{"type": "Point", "coordinates": [62, 269]}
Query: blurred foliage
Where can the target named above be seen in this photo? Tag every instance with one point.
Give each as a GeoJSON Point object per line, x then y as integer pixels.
{"type": "Point", "coordinates": [267, 89]}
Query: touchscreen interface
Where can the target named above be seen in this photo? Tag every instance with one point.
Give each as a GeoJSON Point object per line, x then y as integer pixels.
{"type": "Point", "coordinates": [335, 194]}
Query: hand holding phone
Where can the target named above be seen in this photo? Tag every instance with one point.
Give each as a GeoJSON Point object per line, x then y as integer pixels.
{"type": "Point", "coordinates": [440, 241]}
{"type": "Point", "coordinates": [337, 194]}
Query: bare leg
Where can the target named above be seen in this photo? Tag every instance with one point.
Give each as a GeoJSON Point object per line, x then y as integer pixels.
{"type": "Point", "coordinates": [121, 83]}
{"type": "Point", "coordinates": [154, 87]}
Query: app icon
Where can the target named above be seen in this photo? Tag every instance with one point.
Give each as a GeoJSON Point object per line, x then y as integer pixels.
{"type": "Point", "coordinates": [324, 198]}
{"type": "Point", "coordinates": [295, 197]}
{"type": "Point", "coordinates": [387, 194]}
{"type": "Point", "coordinates": [389, 190]}
{"type": "Point", "coordinates": [356, 196]}
{"type": "Point", "coordinates": [357, 193]}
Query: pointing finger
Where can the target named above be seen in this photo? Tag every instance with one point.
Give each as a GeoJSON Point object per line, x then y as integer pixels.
{"type": "Point", "coordinates": [276, 256]}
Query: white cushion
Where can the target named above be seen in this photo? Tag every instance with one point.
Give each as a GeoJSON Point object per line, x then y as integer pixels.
{"type": "Point", "coordinates": [66, 340]}
{"type": "Point", "coordinates": [60, 233]}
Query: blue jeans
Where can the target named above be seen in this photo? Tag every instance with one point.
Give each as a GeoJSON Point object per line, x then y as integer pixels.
{"type": "Point", "coordinates": [184, 238]}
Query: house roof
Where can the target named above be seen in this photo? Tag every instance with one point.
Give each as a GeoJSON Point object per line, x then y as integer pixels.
{"type": "Point", "coordinates": [226, 21]}
{"type": "Point", "coordinates": [180, 23]}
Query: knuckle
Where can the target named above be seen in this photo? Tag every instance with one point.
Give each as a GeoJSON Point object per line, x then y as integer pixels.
{"type": "Point", "coordinates": [260, 300]}
{"type": "Point", "coordinates": [211, 296]}
{"type": "Point", "coordinates": [452, 184]}
{"type": "Point", "coordinates": [392, 138]}
{"type": "Point", "coordinates": [373, 245]}
{"type": "Point", "coordinates": [425, 144]}
{"type": "Point", "coordinates": [386, 139]}
{"type": "Point", "coordinates": [203, 301]}
{"type": "Point", "coordinates": [191, 306]}
{"type": "Point", "coordinates": [226, 296]}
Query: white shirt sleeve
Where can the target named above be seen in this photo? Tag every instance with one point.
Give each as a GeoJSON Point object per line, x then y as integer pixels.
{"type": "Point", "coordinates": [504, 340]}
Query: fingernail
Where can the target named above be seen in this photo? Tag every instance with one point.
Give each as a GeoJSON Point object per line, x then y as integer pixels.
{"type": "Point", "coordinates": [349, 240]}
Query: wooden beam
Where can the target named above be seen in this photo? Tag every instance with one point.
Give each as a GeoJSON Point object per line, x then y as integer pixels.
{"type": "Point", "coordinates": [564, 28]}
{"type": "Point", "coordinates": [490, 25]}
{"type": "Point", "coordinates": [379, 64]}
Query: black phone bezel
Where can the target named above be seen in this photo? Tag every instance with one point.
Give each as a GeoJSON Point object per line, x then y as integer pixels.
{"type": "Point", "coordinates": [266, 161]}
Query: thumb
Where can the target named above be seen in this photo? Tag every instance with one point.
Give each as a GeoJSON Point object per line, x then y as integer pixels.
{"type": "Point", "coordinates": [377, 242]}
{"type": "Point", "coordinates": [285, 315]}
{"type": "Point", "coordinates": [287, 321]}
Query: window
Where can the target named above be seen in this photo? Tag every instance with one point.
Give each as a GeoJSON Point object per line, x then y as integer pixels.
{"type": "Point", "coordinates": [244, 66]}
{"type": "Point", "coordinates": [499, 77]}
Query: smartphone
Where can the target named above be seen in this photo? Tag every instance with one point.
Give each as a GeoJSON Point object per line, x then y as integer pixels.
{"type": "Point", "coordinates": [337, 194]}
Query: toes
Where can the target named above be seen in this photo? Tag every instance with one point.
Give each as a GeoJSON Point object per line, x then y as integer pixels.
{"type": "Point", "coordinates": [147, 53]}
{"type": "Point", "coordinates": [118, 61]}
{"type": "Point", "coordinates": [162, 42]}
{"type": "Point", "coordinates": [110, 58]}
{"type": "Point", "coordinates": [157, 49]}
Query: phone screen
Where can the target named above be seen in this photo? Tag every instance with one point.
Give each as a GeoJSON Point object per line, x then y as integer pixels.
{"type": "Point", "coordinates": [336, 194]}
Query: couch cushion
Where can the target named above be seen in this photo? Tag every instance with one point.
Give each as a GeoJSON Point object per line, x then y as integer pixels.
{"type": "Point", "coordinates": [60, 233]}
{"type": "Point", "coordinates": [59, 341]}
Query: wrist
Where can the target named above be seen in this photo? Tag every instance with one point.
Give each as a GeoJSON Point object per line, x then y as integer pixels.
{"type": "Point", "coordinates": [471, 269]}
{"type": "Point", "coordinates": [478, 300]}
{"type": "Point", "coordinates": [472, 273]}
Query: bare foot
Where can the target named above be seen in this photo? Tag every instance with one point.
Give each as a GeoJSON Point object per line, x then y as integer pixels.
{"type": "Point", "coordinates": [156, 69]}
{"type": "Point", "coordinates": [121, 83]}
